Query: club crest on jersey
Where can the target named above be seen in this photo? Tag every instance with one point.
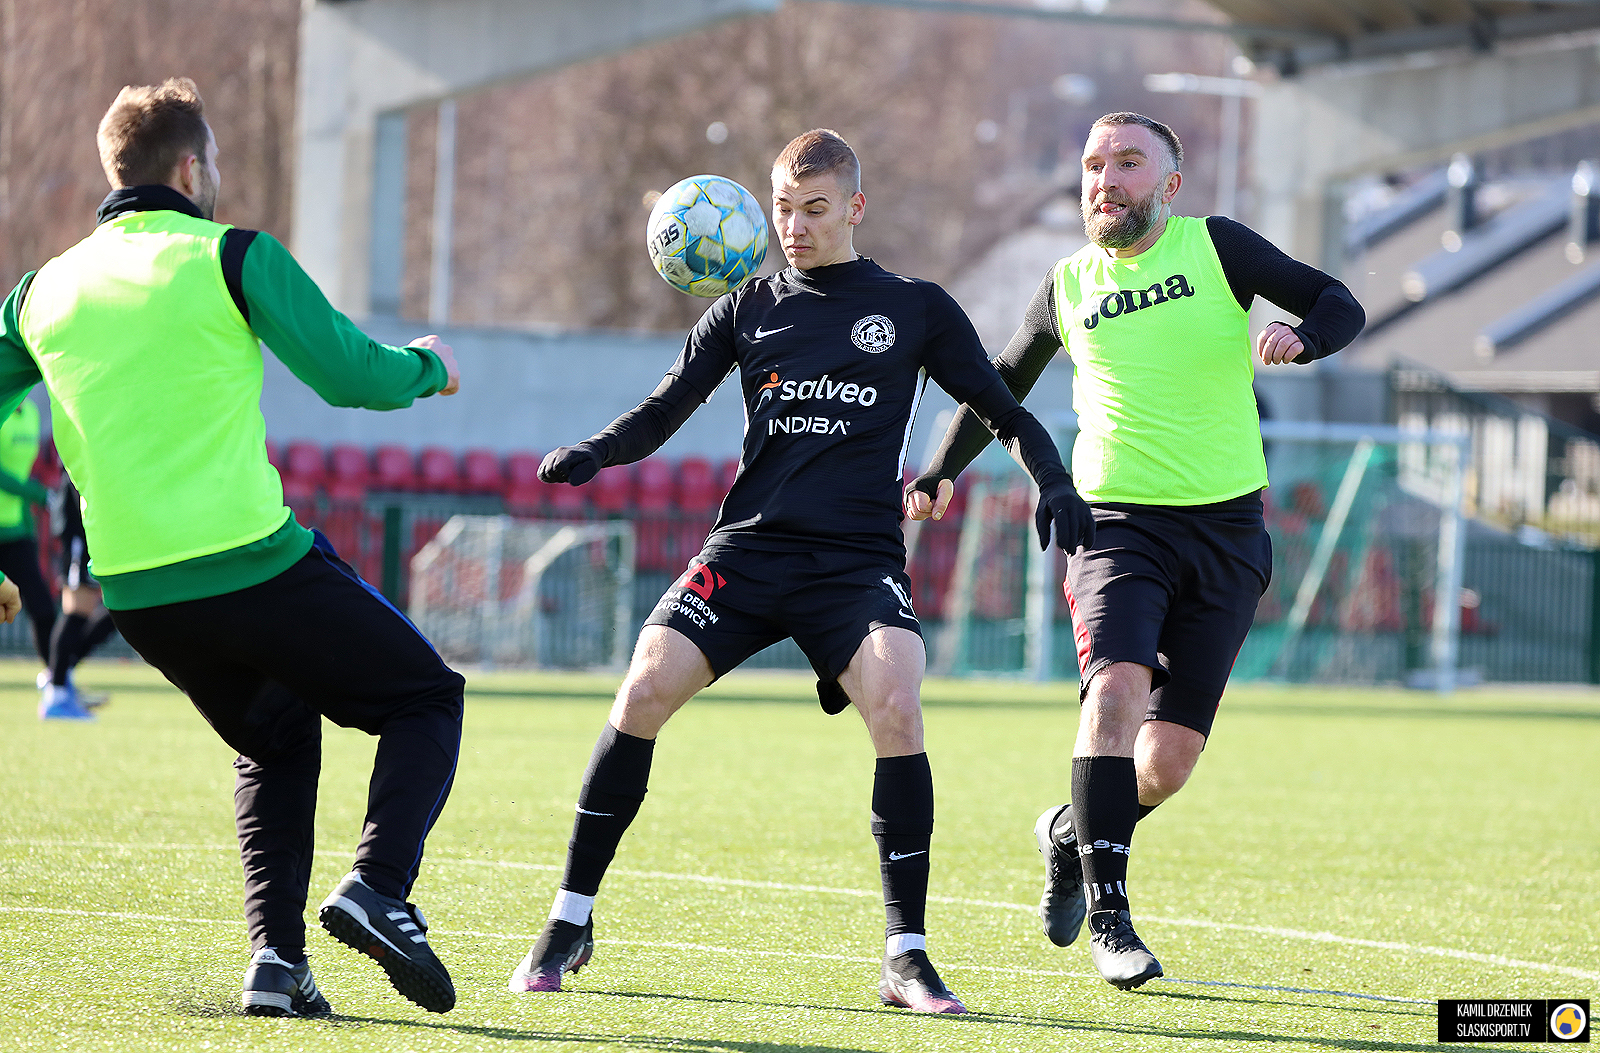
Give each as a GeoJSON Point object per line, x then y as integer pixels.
{"type": "Point", "coordinates": [874, 334]}
{"type": "Point", "coordinates": [1126, 301]}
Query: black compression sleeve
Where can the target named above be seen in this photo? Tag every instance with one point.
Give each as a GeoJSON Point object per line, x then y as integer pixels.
{"type": "Point", "coordinates": [1020, 432]}
{"type": "Point", "coordinates": [1031, 348]}
{"type": "Point", "coordinates": [235, 243]}
{"type": "Point", "coordinates": [1330, 316]}
{"type": "Point", "coordinates": [645, 429]}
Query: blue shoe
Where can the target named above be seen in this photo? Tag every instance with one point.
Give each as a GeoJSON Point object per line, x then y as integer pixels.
{"type": "Point", "coordinates": [62, 703]}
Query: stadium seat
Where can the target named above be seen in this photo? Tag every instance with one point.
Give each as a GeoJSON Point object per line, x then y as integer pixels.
{"type": "Point", "coordinates": [481, 473]}
{"type": "Point", "coordinates": [393, 469]}
{"type": "Point", "coordinates": [613, 489]}
{"type": "Point", "coordinates": [654, 485]}
{"type": "Point", "coordinates": [304, 471]}
{"type": "Point", "coordinates": [348, 473]}
{"type": "Point", "coordinates": [697, 486]}
{"type": "Point", "coordinates": [524, 493]}
{"type": "Point", "coordinates": [438, 471]}
{"type": "Point", "coordinates": [568, 502]}
{"type": "Point", "coordinates": [725, 474]}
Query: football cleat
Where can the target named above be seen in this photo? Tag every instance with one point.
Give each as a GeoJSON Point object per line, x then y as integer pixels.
{"type": "Point", "coordinates": [273, 987]}
{"type": "Point", "coordinates": [911, 982]}
{"type": "Point", "coordinates": [1118, 953]}
{"type": "Point", "coordinates": [61, 702]}
{"type": "Point", "coordinates": [392, 933]}
{"type": "Point", "coordinates": [561, 948]}
{"type": "Point", "coordinates": [1062, 907]}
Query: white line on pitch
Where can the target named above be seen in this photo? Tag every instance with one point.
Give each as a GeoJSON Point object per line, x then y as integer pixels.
{"type": "Point", "coordinates": [780, 886]}
{"type": "Point", "coordinates": [738, 951]}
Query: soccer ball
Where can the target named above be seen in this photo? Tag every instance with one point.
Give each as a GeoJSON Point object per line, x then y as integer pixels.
{"type": "Point", "coordinates": [706, 235]}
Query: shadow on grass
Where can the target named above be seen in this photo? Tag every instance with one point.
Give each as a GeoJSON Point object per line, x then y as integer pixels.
{"type": "Point", "coordinates": [1244, 1039]}
{"type": "Point", "coordinates": [1412, 711]}
{"type": "Point", "coordinates": [1372, 1007]}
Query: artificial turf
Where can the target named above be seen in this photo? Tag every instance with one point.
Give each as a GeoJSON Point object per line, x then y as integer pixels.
{"type": "Point", "coordinates": [1341, 859]}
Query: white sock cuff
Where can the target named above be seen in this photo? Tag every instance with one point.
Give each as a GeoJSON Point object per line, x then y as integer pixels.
{"type": "Point", "coordinates": [571, 907]}
{"type": "Point", "coordinates": [902, 942]}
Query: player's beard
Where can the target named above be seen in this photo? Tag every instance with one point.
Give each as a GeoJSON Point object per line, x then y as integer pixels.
{"type": "Point", "coordinates": [1126, 227]}
{"type": "Point", "coordinates": [205, 196]}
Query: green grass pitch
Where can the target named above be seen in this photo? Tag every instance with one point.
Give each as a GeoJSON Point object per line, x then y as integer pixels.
{"type": "Point", "coordinates": [1341, 859]}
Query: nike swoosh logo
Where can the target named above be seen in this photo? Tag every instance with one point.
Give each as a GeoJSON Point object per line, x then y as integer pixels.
{"type": "Point", "coordinates": [895, 857]}
{"type": "Point", "coordinates": [603, 815]}
{"type": "Point", "coordinates": [761, 333]}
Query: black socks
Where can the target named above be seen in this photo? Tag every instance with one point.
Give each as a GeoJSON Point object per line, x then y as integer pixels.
{"type": "Point", "coordinates": [902, 825]}
{"type": "Point", "coordinates": [1105, 807]}
{"type": "Point", "coordinates": [74, 636]}
{"type": "Point", "coordinates": [613, 789]}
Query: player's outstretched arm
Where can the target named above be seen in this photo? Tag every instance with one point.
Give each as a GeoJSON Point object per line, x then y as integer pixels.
{"type": "Point", "coordinates": [321, 346]}
{"type": "Point", "coordinates": [1025, 357]}
{"type": "Point", "coordinates": [633, 436]}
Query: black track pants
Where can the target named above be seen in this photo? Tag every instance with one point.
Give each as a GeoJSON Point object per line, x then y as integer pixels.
{"type": "Point", "coordinates": [19, 562]}
{"type": "Point", "coordinates": [260, 665]}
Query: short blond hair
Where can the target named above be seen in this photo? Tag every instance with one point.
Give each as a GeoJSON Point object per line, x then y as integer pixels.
{"type": "Point", "coordinates": [149, 129]}
{"type": "Point", "coordinates": [819, 152]}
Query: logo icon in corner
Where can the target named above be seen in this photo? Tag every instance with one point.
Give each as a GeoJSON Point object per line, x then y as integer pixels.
{"type": "Point", "coordinates": [766, 392]}
{"type": "Point", "coordinates": [874, 334]}
{"type": "Point", "coordinates": [1568, 1021]}
{"type": "Point", "coordinates": [701, 580]}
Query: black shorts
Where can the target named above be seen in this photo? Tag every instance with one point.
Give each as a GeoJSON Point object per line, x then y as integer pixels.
{"type": "Point", "coordinates": [1174, 589]}
{"type": "Point", "coordinates": [733, 602]}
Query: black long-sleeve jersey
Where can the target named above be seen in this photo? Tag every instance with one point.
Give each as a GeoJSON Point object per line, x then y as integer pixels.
{"type": "Point", "coordinates": [832, 364]}
{"type": "Point", "coordinates": [1253, 266]}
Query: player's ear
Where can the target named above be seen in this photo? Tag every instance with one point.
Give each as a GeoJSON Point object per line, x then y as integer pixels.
{"type": "Point", "coordinates": [858, 207]}
{"type": "Point", "coordinates": [1174, 181]}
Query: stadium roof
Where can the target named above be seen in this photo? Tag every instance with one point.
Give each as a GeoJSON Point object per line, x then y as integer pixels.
{"type": "Point", "coordinates": [1294, 34]}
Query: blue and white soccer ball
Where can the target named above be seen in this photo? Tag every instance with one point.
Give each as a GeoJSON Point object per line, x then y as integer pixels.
{"type": "Point", "coordinates": [707, 235]}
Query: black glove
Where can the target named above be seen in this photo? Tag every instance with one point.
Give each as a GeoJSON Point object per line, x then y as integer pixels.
{"type": "Point", "coordinates": [928, 484]}
{"type": "Point", "coordinates": [572, 464]}
{"type": "Point", "coordinates": [1060, 505]}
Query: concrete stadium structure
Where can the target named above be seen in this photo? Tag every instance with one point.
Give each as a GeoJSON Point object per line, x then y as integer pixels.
{"type": "Point", "coordinates": [1363, 86]}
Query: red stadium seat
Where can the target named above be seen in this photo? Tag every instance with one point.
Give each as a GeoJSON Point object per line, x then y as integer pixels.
{"type": "Point", "coordinates": [524, 493]}
{"type": "Point", "coordinates": [481, 472]}
{"type": "Point", "coordinates": [305, 462]}
{"type": "Point", "coordinates": [655, 485]}
{"type": "Point", "coordinates": [613, 488]}
{"type": "Point", "coordinates": [725, 475]}
{"type": "Point", "coordinates": [697, 486]}
{"type": "Point", "coordinates": [568, 502]}
{"type": "Point", "coordinates": [349, 473]}
{"type": "Point", "coordinates": [393, 469]}
{"type": "Point", "coordinates": [438, 471]}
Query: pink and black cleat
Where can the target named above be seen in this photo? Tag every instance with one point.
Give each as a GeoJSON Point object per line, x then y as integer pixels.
{"type": "Point", "coordinates": [561, 948]}
{"type": "Point", "coordinates": [910, 982]}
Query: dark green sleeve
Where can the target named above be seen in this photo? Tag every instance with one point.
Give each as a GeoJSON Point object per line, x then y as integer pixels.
{"type": "Point", "coordinates": [18, 371]}
{"type": "Point", "coordinates": [32, 489]}
{"type": "Point", "coordinates": [321, 346]}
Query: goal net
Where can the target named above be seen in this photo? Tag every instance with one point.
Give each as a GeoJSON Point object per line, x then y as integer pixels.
{"type": "Point", "coordinates": [1367, 536]}
{"type": "Point", "coordinates": [495, 590]}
